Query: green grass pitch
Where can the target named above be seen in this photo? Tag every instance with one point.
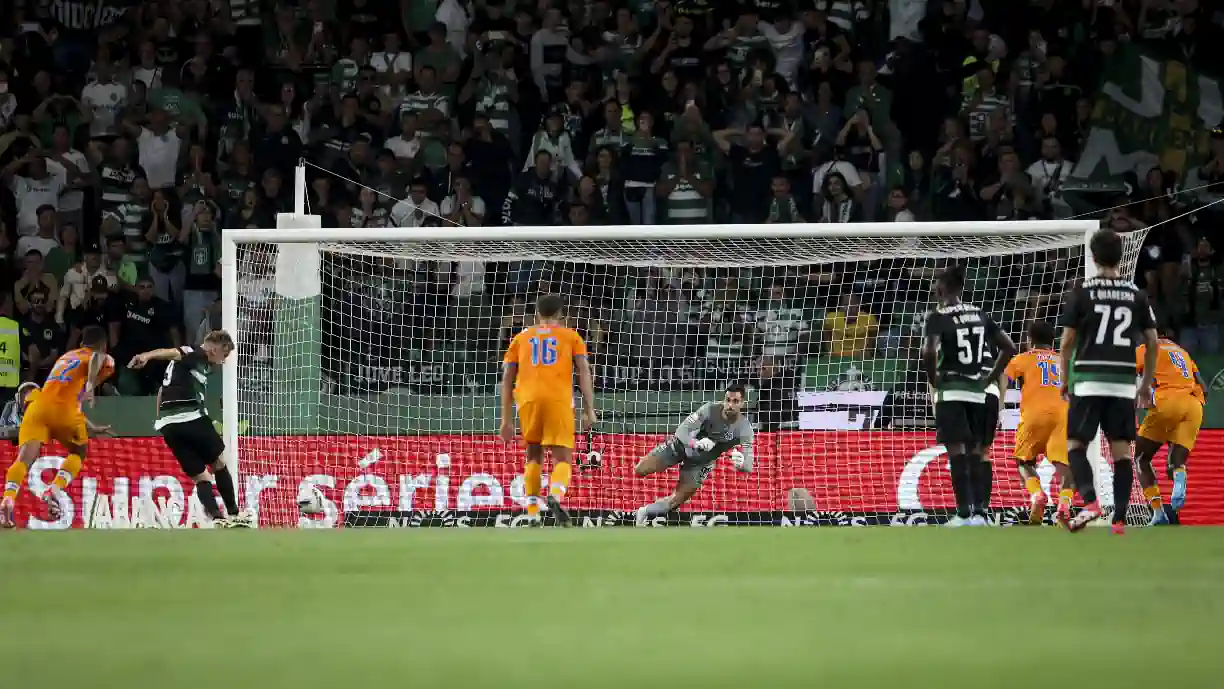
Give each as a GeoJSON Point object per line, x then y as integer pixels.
{"type": "Point", "coordinates": [623, 608]}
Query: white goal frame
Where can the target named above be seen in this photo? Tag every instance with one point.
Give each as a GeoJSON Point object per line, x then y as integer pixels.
{"type": "Point", "coordinates": [301, 228]}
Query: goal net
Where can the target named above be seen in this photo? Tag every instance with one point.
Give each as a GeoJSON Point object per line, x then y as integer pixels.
{"type": "Point", "coordinates": [369, 365]}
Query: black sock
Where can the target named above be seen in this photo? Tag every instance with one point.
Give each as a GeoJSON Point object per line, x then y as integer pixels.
{"type": "Point", "coordinates": [1123, 480]}
{"type": "Point", "coordinates": [1081, 471]}
{"type": "Point", "coordinates": [958, 465]}
{"type": "Point", "coordinates": [983, 483]}
{"type": "Point", "coordinates": [204, 491]}
{"type": "Point", "coordinates": [225, 486]}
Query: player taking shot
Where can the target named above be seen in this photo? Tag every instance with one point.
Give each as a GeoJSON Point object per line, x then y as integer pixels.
{"type": "Point", "coordinates": [696, 446]}
{"type": "Point", "coordinates": [1043, 420]}
{"type": "Point", "coordinates": [1104, 320]}
{"type": "Point", "coordinates": [55, 413]}
{"type": "Point", "coordinates": [182, 419]}
{"type": "Point", "coordinates": [1174, 417]}
{"type": "Point", "coordinates": [538, 378]}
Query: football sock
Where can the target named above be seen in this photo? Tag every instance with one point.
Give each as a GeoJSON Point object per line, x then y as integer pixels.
{"type": "Point", "coordinates": [67, 471]}
{"type": "Point", "coordinates": [225, 486]}
{"type": "Point", "coordinates": [658, 508]}
{"type": "Point", "coordinates": [560, 479]}
{"type": "Point", "coordinates": [204, 492]}
{"type": "Point", "coordinates": [983, 485]}
{"type": "Point", "coordinates": [1152, 493]}
{"type": "Point", "coordinates": [1033, 485]}
{"type": "Point", "coordinates": [1066, 496]}
{"type": "Point", "coordinates": [531, 480]}
{"type": "Point", "coordinates": [1123, 480]}
{"type": "Point", "coordinates": [14, 478]}
{"type": "Point", "coordinates": [1081, 469]}
{"type": "Point", "coordinates": [958, 466]}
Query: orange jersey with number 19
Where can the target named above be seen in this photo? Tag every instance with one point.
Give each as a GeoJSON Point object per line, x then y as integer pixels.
{"type": "Point", "coordinates": [1043, 411]}
{"type": "Point", "coordinates": [1178, 414]}
{"type": "Point", "coordinates": [543, 357]}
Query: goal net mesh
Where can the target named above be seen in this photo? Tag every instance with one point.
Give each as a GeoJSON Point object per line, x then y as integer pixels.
{"type": "Point", "coordinates": [370, 370]}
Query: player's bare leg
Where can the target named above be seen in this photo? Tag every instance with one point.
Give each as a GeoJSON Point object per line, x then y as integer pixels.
{"type": "Point", "coordinates": [14, 478]}
{"type": "Point", "coordinates": [1145, 451]}
{"type": "Point", "coordinates": [531, 478]}
{"type": "Point", "coordinates": [57, 493]}
{"type": "Point", "coordinates": [1178, 456]}
{"type": "Point", "coordinates": [559, 481]}
{"type": "Point", "coordinates": [1032, 483]}
{"type": "Point", "coordinates": [962, 484]}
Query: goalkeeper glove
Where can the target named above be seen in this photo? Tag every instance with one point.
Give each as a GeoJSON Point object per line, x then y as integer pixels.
{"type": "Point", "coordinates": [737, 459]}
{"type": "Point", "coordinates": [703, 445]}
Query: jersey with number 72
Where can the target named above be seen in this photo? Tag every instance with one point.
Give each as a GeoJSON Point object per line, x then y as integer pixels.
{"type": "Point", "coordinates": [1109, 316]}
{"type": "Point", "coordinates": [544, 356]}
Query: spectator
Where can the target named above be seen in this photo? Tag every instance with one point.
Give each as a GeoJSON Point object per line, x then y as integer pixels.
{"type": "Point", "coordinates": [202, 282]}
{"type": "Point", "coordinates": [94, 308]}
{"type": "Point", "coordinates": [119, 262]}
{"type": "Point", "coordinates": [167, 245]}
{"type": "Point", "coordinates": [142, 322]}
{"type": "Point", "coordinates": [42, 337]}
{"type": "Point", "coordinates": [45, 238]}
{"type": "Point", "coordinates": [850, 331]}
{"type": "Point", "coordinates": [33, 279]}
{"type": "Point", "coordinates": [753, 166]}
{"type": "Point", "coordinates": [780, 322]}
{"type": "Point", "coordinates": [34, 184]}
{"type": "Point", "coordinates": [642, 160]}
{"type": "Point", "coordinates": [837, 205]}
{"type": "Point", "coordinates": [1205, 311]}
{"type": "Point", "coordinates": [686, 187]}
{"type": "Point", "coordinates": [79, 279]}
{"type": "Point", "coordinates": [417, 210]}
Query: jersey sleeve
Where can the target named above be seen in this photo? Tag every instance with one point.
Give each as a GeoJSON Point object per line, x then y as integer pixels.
{"type": "Point", "coordinates": [191, 356]}
{"type": "Point", "coordinates": [512, 352]}
{"type": "Point", "coordinates": [1144, 318]}
{"type": "Point", "coordinates": [1015, 367]}
{"type": "Point", "coordinates": [991, 327]}
{"type": "Point", "coordinates": [687, 431]}
{"type": "Point", "coordinates": [933, 325]}
{"type": "Point", "coordinates": [578, 346]}
{"type": "Point", "coordinates": [1073, 310]}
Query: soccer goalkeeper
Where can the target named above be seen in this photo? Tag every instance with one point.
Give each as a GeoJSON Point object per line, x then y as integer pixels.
{"type": "Point", "coordinates": [697, 444]}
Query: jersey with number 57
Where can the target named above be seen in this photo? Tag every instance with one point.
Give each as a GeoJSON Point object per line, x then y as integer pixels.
{"type": "Point", "coordinates": [1109, 316]}
{"type": "Point", "coordinates": [965, 334]}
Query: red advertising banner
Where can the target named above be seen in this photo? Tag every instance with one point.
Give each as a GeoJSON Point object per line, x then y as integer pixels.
{"type": "Point", "coordinates": [850, 473]}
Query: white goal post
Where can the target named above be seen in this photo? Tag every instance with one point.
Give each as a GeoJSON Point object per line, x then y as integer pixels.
{"type": "Point", "coordinates": [886, 265]}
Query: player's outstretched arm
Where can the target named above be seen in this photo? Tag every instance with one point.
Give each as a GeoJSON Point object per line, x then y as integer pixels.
{"type": "Point", "coordinates": [509, 374]}
{"type": "Point", "coordinates": [688, 429]}
{"type": "Point", "coordinates": [167, 354]}
{"type": "Point", "coordinates": [97, 429]}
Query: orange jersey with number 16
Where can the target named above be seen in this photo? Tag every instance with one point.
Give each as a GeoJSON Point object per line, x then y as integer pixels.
{"type": "Point", "coordinates": [67, 383]}
{"type": "Point", "coordinates": [544, 356]}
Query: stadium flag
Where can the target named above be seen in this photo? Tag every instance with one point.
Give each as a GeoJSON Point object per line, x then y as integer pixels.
{"type": "Point", "coordinates": [1150, 111]}
{"type": "Point", "coordinates": [296, 364]}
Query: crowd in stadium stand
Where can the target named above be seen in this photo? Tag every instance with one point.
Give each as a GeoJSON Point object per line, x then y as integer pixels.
{"type": "Point", "coordinates": [134, 133]}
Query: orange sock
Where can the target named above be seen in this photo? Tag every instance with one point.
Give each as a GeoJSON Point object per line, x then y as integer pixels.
{"type": "Point", "coordinates": [1152, 493]}
{"type": "Point", "coordinates": [531, 480]}
{"type": "Point", "coordinates": [15, 478]}
{"type": "Point", "coordinates": [1066, 496]}
{"type": "Point", "coordinates": [560, 479]}
{"type": "Point", "coordinates": [67, 471]}
{"type": "Point", "coordinates": [1033, 485]}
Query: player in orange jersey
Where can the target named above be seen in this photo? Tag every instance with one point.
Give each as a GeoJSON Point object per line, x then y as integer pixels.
{"type": "Point", "coordinates": [54, 413]}
{"type": "Point", "coordinates": [538, 378]}
{"type": "Point", "coordinates": [1043, 419]}
{"type": "Point", "coordinates": [1174, 417]}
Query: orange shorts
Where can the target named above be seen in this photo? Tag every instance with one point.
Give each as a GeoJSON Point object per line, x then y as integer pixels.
{"type": "Point", "coordinates": [1043, 434]}
{"type": "Point", "coordinates": [548, 422]}
{"type": "Point", "coordinates": [47, 422]}
{"type": "Point", "coordinates": [1175, 419]}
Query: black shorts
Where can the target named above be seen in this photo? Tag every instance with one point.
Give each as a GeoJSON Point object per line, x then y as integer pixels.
{"type": "Point", "coordinates": [959, 422]}
{"type": "Point", "coordinates": [1113, 416]}
{"type": "Point", "coordinates": [990, 423]}
{"type": "Point", "coordinates": [195, 444]}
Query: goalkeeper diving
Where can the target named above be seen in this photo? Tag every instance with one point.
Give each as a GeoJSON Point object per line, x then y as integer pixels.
{"type": "Point", "coordinates": [696, 446]}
